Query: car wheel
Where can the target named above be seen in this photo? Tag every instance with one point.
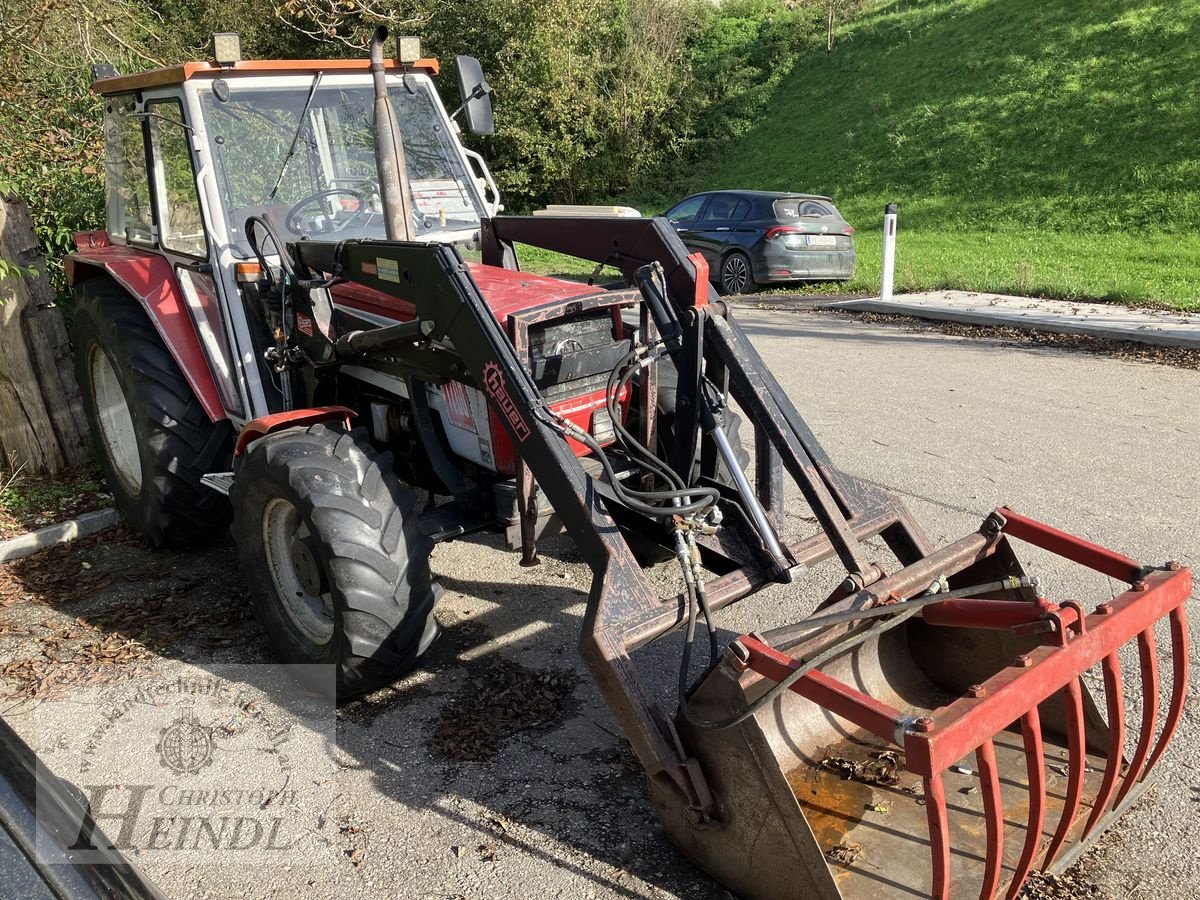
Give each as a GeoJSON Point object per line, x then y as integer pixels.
{"type": "Point", "coordinates": [736, 275]}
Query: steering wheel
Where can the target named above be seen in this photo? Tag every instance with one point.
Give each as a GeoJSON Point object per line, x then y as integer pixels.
{"type": "Point", "coordinates": [292, 219]}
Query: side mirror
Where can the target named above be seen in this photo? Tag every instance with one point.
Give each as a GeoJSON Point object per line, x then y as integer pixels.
{"type": "Point", "coordinates": [476, 95]}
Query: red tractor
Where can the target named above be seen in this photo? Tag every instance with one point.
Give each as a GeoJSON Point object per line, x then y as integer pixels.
{"type": "Point", "coordinates": [279, 327]}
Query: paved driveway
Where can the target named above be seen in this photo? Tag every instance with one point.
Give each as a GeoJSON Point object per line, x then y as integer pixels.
{"type": "Point", "coordinates": [448, 786]}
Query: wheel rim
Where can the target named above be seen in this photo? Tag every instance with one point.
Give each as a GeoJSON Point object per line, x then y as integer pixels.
{"type": "Point", "coordinates": [737, 273]}
{"type": "Point", "coordinates": [116, 423]}
{"type": "Point", "coordinates": [296, 571]}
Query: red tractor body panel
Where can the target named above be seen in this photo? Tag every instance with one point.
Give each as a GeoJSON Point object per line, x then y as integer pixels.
{"type": "Point", "coordinates": [151, 279]}
{"type": "Point", "coordinates": [504, 290]}
{"type": "Point", "coordinates": [506, 293]}
{"type": "Point", "coordinates": [265, 425]}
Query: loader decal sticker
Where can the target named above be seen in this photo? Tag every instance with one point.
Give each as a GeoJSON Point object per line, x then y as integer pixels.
{"type": "Point", "coordinates": [493, 383]}
{"type": "Point", "coordinates": [387, 269]}
{"type": "Point", "coordinates": [304, 324]}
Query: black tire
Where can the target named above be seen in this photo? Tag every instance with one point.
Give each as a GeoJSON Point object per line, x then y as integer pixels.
{"type": "Point", "coordinates": [650, 552]}
{"type": "Point", "coordinates": [157, 486]}
{"type": "Point", "coordinates": [668, 390]}
{"type": "Point", "coordinates": [737, 275]}
{"type": "Point", "coordinates": [357, 543]}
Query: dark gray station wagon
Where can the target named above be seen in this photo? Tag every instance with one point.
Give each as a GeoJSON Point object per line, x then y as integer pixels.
{"type": "Point", "coordinates": [752, 238]}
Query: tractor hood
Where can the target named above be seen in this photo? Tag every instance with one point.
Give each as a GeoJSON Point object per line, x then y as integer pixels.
{"type": "Point", "coordinates": [505, 291]}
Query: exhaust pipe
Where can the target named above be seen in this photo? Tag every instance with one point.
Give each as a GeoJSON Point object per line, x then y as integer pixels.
{"type": "Point", "coordinates": [389, 151]}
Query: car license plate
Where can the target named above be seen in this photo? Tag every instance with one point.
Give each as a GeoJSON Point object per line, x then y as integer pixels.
{"type": "Point", "coordinates": [820, 240]}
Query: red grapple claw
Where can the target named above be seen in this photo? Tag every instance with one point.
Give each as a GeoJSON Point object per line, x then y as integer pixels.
{"type": "Point", "coordinates": [1068, 767]}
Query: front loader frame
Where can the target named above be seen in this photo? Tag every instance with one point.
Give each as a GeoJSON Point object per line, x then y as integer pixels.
{"type": "Point", "coordinates": [696, 789]}
{"type": "Point", "coordinates": [624, 612]}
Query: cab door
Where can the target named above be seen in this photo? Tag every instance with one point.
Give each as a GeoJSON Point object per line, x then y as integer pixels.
{"type": "Point", "coordinates": [183, 240]}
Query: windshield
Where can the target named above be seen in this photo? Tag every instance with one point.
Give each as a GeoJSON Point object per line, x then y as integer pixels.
{"type": "Point", "coordinates": [311, 171]}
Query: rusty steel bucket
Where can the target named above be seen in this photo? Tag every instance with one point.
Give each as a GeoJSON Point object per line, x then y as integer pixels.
{"type": "Point", "coordinates": [951, 754]}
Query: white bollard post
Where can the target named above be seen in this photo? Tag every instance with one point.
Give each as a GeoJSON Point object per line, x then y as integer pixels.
{"type": "Point", "coordinates": [889, 251]}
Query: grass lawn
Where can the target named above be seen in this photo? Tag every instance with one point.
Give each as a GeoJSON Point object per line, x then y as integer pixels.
{"type": "Point", "coordinates": [1035, 146]}
{"type": "Point", "coordinates": [1115, 267]}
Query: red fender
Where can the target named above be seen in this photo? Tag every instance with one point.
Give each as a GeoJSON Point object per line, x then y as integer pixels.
{"type": "Point", "coordinates": [265, 425]}
{"type": "Point", "coordinates": [151, 279]}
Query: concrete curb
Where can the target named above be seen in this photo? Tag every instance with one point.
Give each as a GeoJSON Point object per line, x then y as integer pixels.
{"type": "Point", "coordinates": [88, 523]}
{"type": "Point", "coordinates": [1123, 325]}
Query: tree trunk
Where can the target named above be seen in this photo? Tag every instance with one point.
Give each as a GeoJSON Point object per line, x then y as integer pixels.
{"type": "Point", "coordinates": [42, 426]}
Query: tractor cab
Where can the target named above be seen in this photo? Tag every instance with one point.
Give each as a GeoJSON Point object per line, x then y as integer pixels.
{"type": "Point", "coordinates": [194, 150]}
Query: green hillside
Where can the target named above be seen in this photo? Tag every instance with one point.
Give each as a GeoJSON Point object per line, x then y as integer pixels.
{"type": "Point", "coordinates": [1034, 146]}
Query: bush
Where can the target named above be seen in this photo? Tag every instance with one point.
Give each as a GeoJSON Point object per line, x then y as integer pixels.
{"type": "Point", "coordinates": [735, 58]}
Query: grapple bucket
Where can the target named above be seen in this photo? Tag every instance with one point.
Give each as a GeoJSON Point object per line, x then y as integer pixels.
{"type": "Point", "coordinates": [950, 755]}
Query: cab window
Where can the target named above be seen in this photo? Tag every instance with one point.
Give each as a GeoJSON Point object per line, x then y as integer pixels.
{"type": "Point", "coordinates": [181, 226]}
{"type": "Point", "coordinates": [721, 207]}
{"type": "Point", "coordinates": [128, 216]}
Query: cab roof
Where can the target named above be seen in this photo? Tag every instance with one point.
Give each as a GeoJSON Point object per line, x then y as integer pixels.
{"type": "Point", "coordinates": [177, 74]}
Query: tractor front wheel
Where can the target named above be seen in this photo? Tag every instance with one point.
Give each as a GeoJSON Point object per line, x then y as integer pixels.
{"type": "Point", "coordinates": [329, 544]}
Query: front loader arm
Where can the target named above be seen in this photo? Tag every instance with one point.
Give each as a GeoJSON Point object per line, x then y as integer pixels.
{"type": "Point", "coordinates": [740, 776]}
{"type": "Point", "coordinates": [624, 611]}
{"type": "Point", "coordinates": [436, 280]}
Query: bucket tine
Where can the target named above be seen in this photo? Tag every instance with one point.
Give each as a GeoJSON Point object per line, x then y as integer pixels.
{"type": "Point", "coordinates": [1179, 646]}
{"type": "Point", "coordinates": [1114, 697]}
{"type": "Point", "coordinates": [1148, 657]}
{"type": "Point", "coordinates": [939, 835]}
{"type": "Point", "coordinates": [993, 813]}
{"type": "Point", "coordinates": [1031, 730]}
{"type": "Point", "coordinates": [1075, 762]}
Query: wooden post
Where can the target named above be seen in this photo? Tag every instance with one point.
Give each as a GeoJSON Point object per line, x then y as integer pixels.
{"type": "Point", "coordinates": [42, 425]}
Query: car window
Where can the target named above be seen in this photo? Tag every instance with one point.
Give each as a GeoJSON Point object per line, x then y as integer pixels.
{"type": "Point", "coordinates": [801, 208]}
{"type": "Point", "coordinates": [720, 207]}
{"type": "Point", "coordinates": [687, 210]}
{"type": "Point", "coordinates": [740, 211]}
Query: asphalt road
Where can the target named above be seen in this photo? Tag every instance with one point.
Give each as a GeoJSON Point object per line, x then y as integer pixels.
{"type": "Point", "coordinates": [555, 805]}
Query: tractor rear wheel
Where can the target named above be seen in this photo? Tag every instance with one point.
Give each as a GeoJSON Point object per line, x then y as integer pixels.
{"type": "Point", "coordinates": [151, 435]}
{"type": "Point", "coordinates": [329, 544]}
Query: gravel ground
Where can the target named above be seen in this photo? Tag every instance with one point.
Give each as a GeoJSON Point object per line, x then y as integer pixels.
{"type": "Point", "coordinates": [495, 770]}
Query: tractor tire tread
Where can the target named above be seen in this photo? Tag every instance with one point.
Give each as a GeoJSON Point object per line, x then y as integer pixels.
{"type": "Point", "coordinates": [379, 571]}
{"type": "Point", "coordinates": [172, 509]}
